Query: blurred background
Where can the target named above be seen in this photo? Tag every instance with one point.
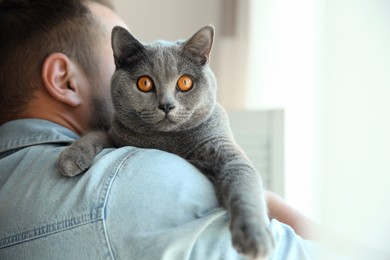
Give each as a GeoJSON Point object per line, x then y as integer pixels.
{"type": "Point", "coordinates": [326, 64]}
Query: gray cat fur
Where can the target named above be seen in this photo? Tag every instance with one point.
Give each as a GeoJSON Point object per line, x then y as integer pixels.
{"type": "Point", "coordinates": [195, 127]}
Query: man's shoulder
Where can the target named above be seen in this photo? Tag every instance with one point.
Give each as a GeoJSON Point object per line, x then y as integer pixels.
{"type": "Point", "coordinates": [158, 173]}
{"type": "Point", "coordinates": [47, 203]}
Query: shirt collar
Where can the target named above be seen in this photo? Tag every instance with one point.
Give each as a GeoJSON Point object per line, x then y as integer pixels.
{"type": "Point", "coordinates": [26, 132]}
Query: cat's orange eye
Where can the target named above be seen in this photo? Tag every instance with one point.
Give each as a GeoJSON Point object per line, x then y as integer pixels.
{"type": "Point", "coordinates": [145, 84]}
{"type": "Point", "coordinates": [184, 83]}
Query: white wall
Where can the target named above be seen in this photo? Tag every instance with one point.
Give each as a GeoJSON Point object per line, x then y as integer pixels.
{"type": "Point", "coordinates": [356, 177]}
{"type": "Point", "coordinates": [169, 20]}
{"type": "Point", "coordinates": [327, 62]}
{"type": "Point", "coordinates": [285, 71]}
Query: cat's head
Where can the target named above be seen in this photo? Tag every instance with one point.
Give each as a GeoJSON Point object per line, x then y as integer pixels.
{"type": "Point", "coordinates": [163, 86]}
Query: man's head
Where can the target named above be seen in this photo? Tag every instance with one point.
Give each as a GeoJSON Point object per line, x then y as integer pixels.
{"type": "Point", "coordinates": [57, 52]}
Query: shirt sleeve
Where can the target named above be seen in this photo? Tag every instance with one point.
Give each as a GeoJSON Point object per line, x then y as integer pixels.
{"type": "Point", "coordinates": [161, 207]}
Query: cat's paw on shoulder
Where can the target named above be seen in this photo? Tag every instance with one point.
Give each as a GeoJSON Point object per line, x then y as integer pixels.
{"type": "Point", "coordinates": [251, 238]}
{"type": "Point", "coordinates": [71, 163]}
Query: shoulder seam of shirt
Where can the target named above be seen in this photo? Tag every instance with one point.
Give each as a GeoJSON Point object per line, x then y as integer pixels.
{"type": "Point", "coordinates": [106, 191]}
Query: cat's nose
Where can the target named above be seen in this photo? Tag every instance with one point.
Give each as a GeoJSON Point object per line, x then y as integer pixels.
{"type": "Point", "coordinates": [166, 107]}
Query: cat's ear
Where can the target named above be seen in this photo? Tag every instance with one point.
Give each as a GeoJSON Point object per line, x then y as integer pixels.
{"type": "Point", "coordinates": [124, 44]}
{"type": "Point", "coordinates": [200, 44]}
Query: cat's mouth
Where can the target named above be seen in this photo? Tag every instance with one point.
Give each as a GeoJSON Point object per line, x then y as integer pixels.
{"type": "Point", "coordinates": [163, 122]}
{"type": "Point", "coordinates": [168, 123]}
{"type": "Point", "coordinates": [168, 119]}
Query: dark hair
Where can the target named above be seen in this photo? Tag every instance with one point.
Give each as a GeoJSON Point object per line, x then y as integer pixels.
{"type": "Point", "coordinates": [31, 30]}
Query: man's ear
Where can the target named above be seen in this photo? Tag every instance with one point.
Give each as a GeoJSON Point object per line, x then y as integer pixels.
{"type": "Point", "coordinates": [58, 79]}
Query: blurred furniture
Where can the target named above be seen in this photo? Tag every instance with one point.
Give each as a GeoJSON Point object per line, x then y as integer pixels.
{"type": "Point", "coordinates": [260, 133]}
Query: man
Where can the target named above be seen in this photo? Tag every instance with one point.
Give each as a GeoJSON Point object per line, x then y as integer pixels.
{"type": "Point", "coordinates": [55, 68]}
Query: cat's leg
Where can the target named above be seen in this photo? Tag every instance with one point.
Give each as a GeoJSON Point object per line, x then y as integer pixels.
{"type": "Point", "coordinates": [239, 189]}
{"type": "Point", "coordinates": [78, 157]}
{"type": "Point", "coordinates": [242, 195]}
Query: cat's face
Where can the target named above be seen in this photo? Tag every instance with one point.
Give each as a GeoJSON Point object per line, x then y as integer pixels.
{"type": "Point", "coordinates": [163, 86]}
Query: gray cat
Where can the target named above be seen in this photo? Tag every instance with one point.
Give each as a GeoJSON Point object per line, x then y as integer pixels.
{"type": "Point", "coordinates": [164, 96]}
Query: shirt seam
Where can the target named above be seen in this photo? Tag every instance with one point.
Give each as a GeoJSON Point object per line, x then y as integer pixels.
{"type": "Point", "coordinates": [24, 143]}
{"type": "Point", "coordinates": [51, 228]}
{"type": "Point", "coordinates": [107, 188]}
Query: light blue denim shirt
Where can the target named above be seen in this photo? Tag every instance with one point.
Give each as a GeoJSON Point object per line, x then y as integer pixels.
{"type": "Point", "coordinates": [131, 204]}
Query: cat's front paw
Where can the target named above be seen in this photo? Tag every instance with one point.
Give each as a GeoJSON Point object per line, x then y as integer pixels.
{"type": "Point", "coordinates": [78, 157]}
{"type": "Point", "coordinates": [252, 238]}
{"type": "Point", "coordinates": [74, 160]}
